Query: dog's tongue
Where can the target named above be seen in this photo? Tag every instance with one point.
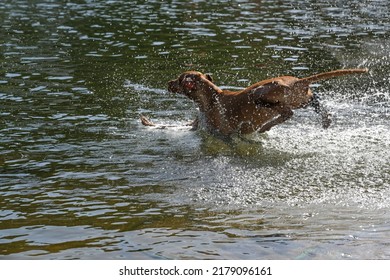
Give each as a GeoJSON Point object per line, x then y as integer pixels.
{"type": "Point", "coordinates": [189, 84]}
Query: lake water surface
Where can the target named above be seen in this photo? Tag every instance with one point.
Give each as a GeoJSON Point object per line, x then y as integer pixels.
{"type": "Point", "coordinates": [81, 178]}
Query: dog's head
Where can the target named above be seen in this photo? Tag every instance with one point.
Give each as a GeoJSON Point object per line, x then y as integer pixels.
{"type": "Point", "coordinates": [192, 84]}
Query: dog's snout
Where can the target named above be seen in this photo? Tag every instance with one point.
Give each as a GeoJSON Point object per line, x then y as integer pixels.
{"type": "Point", "coordinates": [173, 86]}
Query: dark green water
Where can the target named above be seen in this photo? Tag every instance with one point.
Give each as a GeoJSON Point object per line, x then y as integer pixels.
{"type": "Point", "coordinates": [80, 178]}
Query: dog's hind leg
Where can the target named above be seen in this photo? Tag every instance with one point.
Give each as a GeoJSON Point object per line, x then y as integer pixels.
{"type": "Point", "coordinates": [321, 110]}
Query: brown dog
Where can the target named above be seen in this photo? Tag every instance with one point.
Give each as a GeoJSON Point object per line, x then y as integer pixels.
{"type": "Point", "coordinates": [258, 107]}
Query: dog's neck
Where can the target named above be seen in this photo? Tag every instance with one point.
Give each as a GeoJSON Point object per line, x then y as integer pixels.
{"type": "Point", "coordinates": [207, 96]}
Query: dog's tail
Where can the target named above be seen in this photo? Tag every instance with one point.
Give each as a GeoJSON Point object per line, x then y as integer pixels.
{"type": "Point", "coordinates": [332, 74]}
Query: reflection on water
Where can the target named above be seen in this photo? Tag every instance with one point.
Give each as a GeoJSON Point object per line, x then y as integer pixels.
{"type": "Point", "coordinates": [80, 178]}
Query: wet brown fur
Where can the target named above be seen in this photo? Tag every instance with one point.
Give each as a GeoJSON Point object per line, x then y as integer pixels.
{"type": "Point", "coordinates": [258, 107]}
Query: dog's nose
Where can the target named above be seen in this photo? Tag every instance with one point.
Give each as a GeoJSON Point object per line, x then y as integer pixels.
{"type": "Point", "coordinates": [172, 86]}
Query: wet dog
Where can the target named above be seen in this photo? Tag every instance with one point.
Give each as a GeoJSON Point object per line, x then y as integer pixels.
{"type": "Point", "coordinates": [256, 108]}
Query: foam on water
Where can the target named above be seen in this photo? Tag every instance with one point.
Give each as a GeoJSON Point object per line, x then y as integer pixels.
{"type": "Point", "coordinates": [297, 163]}
{"type": "Point", "coordinates": [82, 178]}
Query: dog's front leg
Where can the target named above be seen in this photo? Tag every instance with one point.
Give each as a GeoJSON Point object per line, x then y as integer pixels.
{"type": "Point", "coordinates": [194, 124]}
{"type": "Point", "coordinates": [284, 114]}
{"type": "Point", "coordinates": [145, 121]}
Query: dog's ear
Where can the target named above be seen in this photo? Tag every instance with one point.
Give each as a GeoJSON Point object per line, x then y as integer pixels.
{"type": "Point", "coordinates": [189, 83]}
{"type": "Point", "coordinates": [209, 77]}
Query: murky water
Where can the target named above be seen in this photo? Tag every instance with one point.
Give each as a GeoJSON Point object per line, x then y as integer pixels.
{"type": "Point", "coordinates": [80, 178]}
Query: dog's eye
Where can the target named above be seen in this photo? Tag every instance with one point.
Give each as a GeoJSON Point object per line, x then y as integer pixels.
{"type": "Point", "coordinates": [183, 78]}
{"type": "Point", "coordinates": [186, 79]}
